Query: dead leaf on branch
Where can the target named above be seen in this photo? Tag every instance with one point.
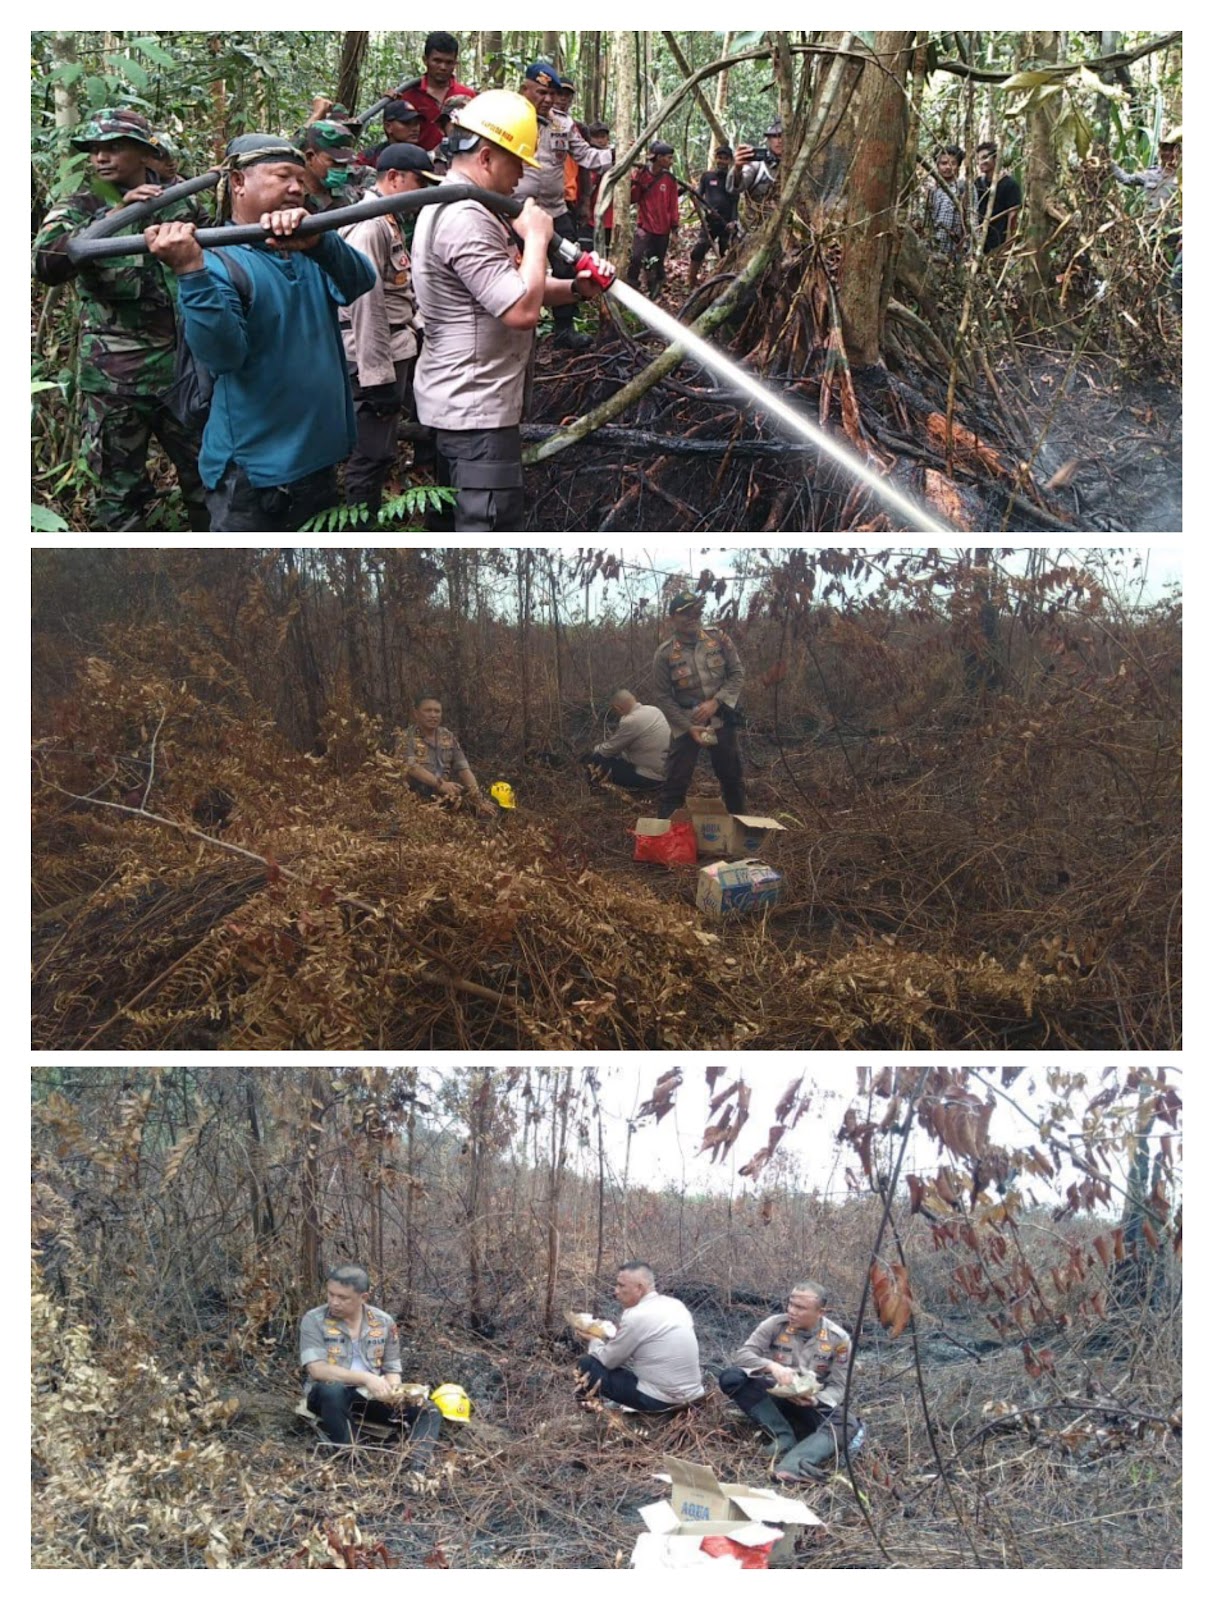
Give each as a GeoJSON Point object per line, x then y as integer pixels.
{"type": "Point", "coordinates": [894, 1300]}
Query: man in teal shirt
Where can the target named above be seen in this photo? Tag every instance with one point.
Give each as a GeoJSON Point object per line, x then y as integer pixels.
{"type": "Point", "coordinates": [281, 416]}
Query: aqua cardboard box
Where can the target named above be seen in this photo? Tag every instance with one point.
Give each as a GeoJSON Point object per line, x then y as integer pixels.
{"type": "Point", "coordinates": [731, 888]}
{"type": "Point", "coordinates": [750, 836]}
{"type": "Point", "coordinates": [702, 1504]}
{"type": "Point", "coordinates": [711, 820]}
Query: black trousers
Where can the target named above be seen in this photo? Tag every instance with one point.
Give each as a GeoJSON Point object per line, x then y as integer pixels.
{"type": "Point", "coordinates": [618, 1384]}
{"type": "Point", "coordinates": [648, 248]}
{"type": "Point", "coordinates": [747, 1392]}
{"type": "Point", "coordinates": [620, 771]}
{"type": "Point", "coordinates": [726, 764]}
{"type": "Point", "coordinates": [484, 467]}
{"type": "Point", "coordinates": [237, 507]}
{"type": "Point", "coordinates": [566, 228]}
{"type": "Point", "coordinates": [366, 471]}
{"type": "Point", "coordinates": [711, 232]}
{"type": "Point", "coordinates": [805, 1421]}
{"type": "Point", "coordinates": [340, 1407]}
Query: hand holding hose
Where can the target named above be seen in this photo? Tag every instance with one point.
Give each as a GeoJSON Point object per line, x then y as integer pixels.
{"type": "Point", "coordinates": [594, 275]}
{"type": "Point", "coordinates": [176, 244]}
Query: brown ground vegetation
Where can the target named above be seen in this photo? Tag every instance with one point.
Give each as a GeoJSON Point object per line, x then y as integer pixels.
{"type": "Point", "coordinates": [1028, 1416]}
{"type": "Point", "coordinates": [981, 853]}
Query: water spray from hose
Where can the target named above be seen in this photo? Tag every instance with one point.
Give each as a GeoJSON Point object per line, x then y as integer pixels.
{"type": "Point", "coordinates": [917, 520]}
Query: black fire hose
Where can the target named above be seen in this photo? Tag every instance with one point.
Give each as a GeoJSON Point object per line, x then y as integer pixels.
{"type": "Point", "coordinates": [127, 216]}
{"type": "Point", "coordinates": [364, 117]}
{"type": "Point", "coordinates": [86, 247]}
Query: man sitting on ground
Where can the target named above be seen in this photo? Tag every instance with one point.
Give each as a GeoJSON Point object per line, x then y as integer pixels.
{"type": "Point", "coordinates": [634, 757]}
{"type": "Point", "coordinates": [807, 1430]}
{"type": "Point", "coordinates": [656, 1339]}
{"type": "Point", "coordinates": [351, 1353]}
{"type": "Point", "coordinates": [436, 766]}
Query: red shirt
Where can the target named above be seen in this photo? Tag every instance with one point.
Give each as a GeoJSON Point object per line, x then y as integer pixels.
{"type": "Point", "coordinates": [418, 94]}
{"type": "Point", "coordinates": [658, 196]}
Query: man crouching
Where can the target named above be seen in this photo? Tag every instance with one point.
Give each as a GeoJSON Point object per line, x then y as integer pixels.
{"type": "Point", "coordinates": [804, 1358]}
{"type": "Point", "coordinates": [351, 1353]}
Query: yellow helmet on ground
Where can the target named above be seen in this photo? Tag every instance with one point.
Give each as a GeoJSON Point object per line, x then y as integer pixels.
{"type": "Point", "coordinates": [453, 1402]}
{"type": "Point", "coordinates": [503, 793]}
{"type": "Point", "coordinates": [502, 117]}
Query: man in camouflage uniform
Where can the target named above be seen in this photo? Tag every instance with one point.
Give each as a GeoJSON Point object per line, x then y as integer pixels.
{"type": "Point", "coordinates": [332, 178]}
{"type": "Point", "coordinates": [697, 679]}
{"type": "Point", "coordinates": [806, 1430]}
{"type": "Point", "coordinates": [128, 327]}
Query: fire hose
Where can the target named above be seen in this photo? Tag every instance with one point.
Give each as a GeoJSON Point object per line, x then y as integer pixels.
{"type": "Point", "coordinates": [84, 248]}
{"type": "Point", "coordinates": [90, 246]}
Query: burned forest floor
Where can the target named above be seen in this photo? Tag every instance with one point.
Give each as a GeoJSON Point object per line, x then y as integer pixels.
{"type": "Point", "coordinates": [944, 886]}
{"type": "Point", "coordinates": [204, 1463]}
{"type": "Point", "coordinates": [1047, 437]}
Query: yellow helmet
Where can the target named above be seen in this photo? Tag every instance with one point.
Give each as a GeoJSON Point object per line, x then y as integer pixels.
{"type": "Point", "coordinates": [505, 119]}
{"type": "Point", "coordinates": [453, 1402]}
{"type": "Point", "coordinates": [504, 796]}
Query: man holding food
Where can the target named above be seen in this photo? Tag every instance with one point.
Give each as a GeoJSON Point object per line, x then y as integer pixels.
{"type": "Point", "coordinates": [350, 1351]}
{"type": "Point", "coordinates": [652, 1362]}
{"type": "Point", "coordinates": [790, 1377]}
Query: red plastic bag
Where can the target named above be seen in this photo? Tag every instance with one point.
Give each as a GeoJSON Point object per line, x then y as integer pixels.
{"type": "Point", "coordinates": [753, 1558]}
{"type": "Point", "coordinates": [676, 848]}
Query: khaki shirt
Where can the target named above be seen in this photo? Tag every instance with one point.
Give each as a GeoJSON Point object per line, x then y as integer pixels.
{"type": "Point", "coordinates": [375, 1349]}
{"type": "Point", "coordinates": [824, 1351]}
{"type": "Point", "coordinates": [685, 675]}
{"type": "Point", "coordinates": [656, 1343]}
{"type": "Point", "coordinates": [439, 754]}
{"type": "Point", "coordinates": [472, 369]}
{"type": "Point", "coordinates": [378, 329]}
{"type": "Point", "coordinates": [558, 137]}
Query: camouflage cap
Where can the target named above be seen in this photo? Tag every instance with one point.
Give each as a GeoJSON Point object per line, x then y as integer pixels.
{"type": "Point", "coordinates": [115, 122]}
{"type": "Point", "coordinates": [329, 136]}
{"type": "Point", "coordinates": [684, 603]}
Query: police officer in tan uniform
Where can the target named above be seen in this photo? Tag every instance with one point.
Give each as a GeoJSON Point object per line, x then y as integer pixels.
{"type": "Point", "coordinates": [481, 303]}
{"type": "Point", "coordinates": [697, 680]}
{"type": "Point", "coordinates": [807, 1431]}
{"type": "Point", "coordinates": [544, 182]}
{"type": "Point", "coordinates": [435, 764]}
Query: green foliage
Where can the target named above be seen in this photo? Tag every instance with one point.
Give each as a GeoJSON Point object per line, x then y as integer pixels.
{"type": "Point", "coordinates": [407, 507]}
{"type": "Point", "coordinates": [43, 520]}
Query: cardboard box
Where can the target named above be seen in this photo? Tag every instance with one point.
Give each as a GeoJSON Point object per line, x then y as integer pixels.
{"type": "Point", "coordinates": [730, 888]}
{"type": "Point", "coordinates": [749, 836]}
{"type": "Point", "coordinates": [711, 819]}
{"type": "Point", "coordinates": [700, 1505]}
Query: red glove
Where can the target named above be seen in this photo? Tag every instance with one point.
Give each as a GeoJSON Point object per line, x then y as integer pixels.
{"type": "Point", "coordinates": [602, 272]}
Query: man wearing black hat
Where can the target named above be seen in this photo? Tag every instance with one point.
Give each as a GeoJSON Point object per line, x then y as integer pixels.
{"type": "Point", "coordinates": [263, 319]}
{"type": "Point", "coordinates": [697, 681]}
{"type": "Point", "coordinates": [402, 123]}
{"type": "Point", "coordinates": [719, 213]}
{"type": "Point", "coordinates": [127, 326]}
{"type": "Point", "coordinates": [545, 183]}
{"type": "Point", "coordinates": [380, 330]}
{"type": "Point", "coordinates": [656, 188]}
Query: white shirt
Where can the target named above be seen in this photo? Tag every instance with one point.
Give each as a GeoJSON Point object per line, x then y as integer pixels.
{"type": "Point", "coordinates": [643, 738]}
{"type": "Point", "coordinates": [656, 1342]}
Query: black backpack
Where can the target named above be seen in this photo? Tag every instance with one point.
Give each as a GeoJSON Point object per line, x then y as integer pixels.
{"type": "Point", "coordinates": [189, 396]}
